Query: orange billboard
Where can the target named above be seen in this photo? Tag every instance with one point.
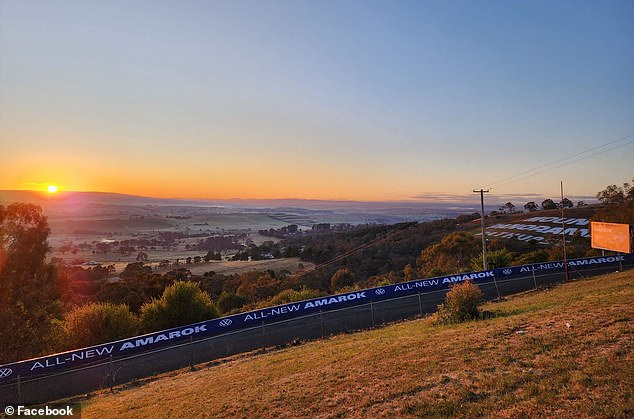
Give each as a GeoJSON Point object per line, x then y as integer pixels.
{"type": "Point", "coordinates": [611, 236]}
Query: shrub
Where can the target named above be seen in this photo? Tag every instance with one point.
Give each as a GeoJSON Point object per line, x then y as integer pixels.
{"type": "Point", "coordinates": [290, 296]}
{"type": "Point", "coordinates": [451, 255]}
{"type": "Point", "coordinates": [228, 301]}
{"type": "Point", "coordinates": [181, 303]}
{"type": "Point", "coordinates": [461, 304]}
{"type": "Point", "coordinates": [536, 256]}
{"type": "Point", "coordinates": [340, 279]}
{"type": "Point", "coordinates": [258, 285]}
{"type": "Point", "coordinates": [495, 259]}
{"type": "Point", "coordinates": [95, 323]}
{"type": "Point", "coordinates": [135, 269]}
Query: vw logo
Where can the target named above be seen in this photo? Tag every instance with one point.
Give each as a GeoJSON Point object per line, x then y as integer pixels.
{"type": "Point", "coordinates": [225, 322]}
{"type": "Point", "coordinates": [507, 272]}
{"type": "Point", "coordinates": [379, 291]}
{"type": "Point", "coordinates": [5, 372]}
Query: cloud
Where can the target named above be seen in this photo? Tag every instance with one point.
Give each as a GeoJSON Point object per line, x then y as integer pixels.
{"type": "Point", "coordinates": [444, 197]}
{"type": "Point", "coordinates": [518, 195]}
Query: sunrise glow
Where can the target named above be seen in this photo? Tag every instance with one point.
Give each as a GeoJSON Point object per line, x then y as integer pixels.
{"type": "Point", "coordinates": [52, 189]}
{"type": "Point", "coordinates": [422, 99]}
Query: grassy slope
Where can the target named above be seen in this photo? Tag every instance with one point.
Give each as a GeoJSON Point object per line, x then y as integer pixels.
{"type": "Point", "coordinates": [525, 361]}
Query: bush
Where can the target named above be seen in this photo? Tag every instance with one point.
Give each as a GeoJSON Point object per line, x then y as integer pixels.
{"type": "Point", "coordinates": [495, 259]}
{"type": "Point", "coordinates": [290, 296]}
{"type": "Point", "coordinates": [340, 279]}
{"type": "Point", "coordinates": [536, 256]}
{"type": "Point", "coordinates": [451, 255]}
{"type": "Point", "coordinates": [461, 304]}
{"type": "Point", "coordinates": [228, 301]}
{"type": "Point", "coordinates": [95, 323]}
{"type": "Point", "coordinates": [181, 303]}
{"type": "Point", "coordinates": [135, 269]}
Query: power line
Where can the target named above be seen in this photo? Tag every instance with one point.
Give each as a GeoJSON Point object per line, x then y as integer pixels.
{"type": "Point", "coordinates": [565, 164]}
{"type": "Point", "coordinates": [520, 177]}
{"type": "Point", "coordinates": [359, 248]}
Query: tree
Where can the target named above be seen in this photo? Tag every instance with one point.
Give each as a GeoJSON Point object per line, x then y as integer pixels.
{"type": "Point", "coordinates": [618, 204]}
{"type": "Point", "coordinates": [342, 278]}
{"type": "Point", "coordinates": [510, 207]}
{"type": "Point", "coordinates": [141, 257]}
{"type": "Point", "coordinates": [31, 289]}
{"type": "Point", "coordinates": [536, 256]}
{"type": "Point", "coordinates": [103, 247]}
{"type": "Point", "coordinates": [496, 259]}
{"type": "Point", "coordinates": [211, 255]}
{"type": "Point", "coordinates": [135, 269]}
{"type": "Point", "coordinates": [290, 296]}
{"type": "Point", "coordinates": [23, 247]}
{"type": "Point", "coordinates": [181, 303]}
{"type": "Point", "coordinates": [126, 250]}
{"type": "Point", "coordinates": [95, 323]}
{"type": "Point", "coordinates": [531, 206]}
{"type": "Point", "coordinates": [452, 254]}
{"type": "Point", "coordinates": [258, 285]}
{"type": "Point", "coordinates": [549, 204]}
{"type": "Point", "coordinates": [565, 203]}
{"type": "Point", "coordinates": [409, 272]}
{"type": "Point", "coordinates": [228, 301]}
{"type": "Point", "coordinates": [581, 204]}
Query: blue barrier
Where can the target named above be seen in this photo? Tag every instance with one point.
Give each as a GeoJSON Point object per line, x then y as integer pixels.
{"type": "Point", "coordinates": [179, 335]}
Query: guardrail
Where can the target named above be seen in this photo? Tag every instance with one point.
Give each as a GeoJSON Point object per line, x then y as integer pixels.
{"type": "Point", "coordinates": [101, 366]}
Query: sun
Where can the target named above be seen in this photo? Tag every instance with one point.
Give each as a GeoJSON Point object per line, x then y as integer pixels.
{"type": "Point", "coordinates": [51, 189]}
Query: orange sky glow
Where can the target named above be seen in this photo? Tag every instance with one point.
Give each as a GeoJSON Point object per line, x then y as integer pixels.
{"type": "Point", "coordinates": [345, 101]}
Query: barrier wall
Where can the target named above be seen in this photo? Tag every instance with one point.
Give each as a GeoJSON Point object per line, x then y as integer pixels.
{"type": "Point", "coordinates": [78, 371]}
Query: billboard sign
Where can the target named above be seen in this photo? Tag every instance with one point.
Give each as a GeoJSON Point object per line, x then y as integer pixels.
{"type": "Point", "coordinates": [611, 236]}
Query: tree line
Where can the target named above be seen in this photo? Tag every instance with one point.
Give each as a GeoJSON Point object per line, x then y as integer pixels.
{"type": "Point", "coordinates": [532, 206]}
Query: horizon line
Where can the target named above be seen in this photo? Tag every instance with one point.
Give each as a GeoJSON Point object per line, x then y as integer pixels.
{"type": "Point", "coordinates": [432, 198]}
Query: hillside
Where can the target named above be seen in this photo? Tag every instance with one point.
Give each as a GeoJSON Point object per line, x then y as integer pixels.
{"type": "Point", "coordinates": [565, 351]}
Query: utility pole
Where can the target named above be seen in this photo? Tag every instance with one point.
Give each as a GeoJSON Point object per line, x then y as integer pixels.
{"type": "Point", "coordinates": [484, 238]}
{"type": "Point", "coordinates": [563, 233]}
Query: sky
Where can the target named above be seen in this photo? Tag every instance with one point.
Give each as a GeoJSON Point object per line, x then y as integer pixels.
{"type": "Point", "coordinates": [353, 100]}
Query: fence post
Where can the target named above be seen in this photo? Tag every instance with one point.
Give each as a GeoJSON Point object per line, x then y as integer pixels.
{"type": "Point", "coordinates": [191, 352]}
{"type": "Point", "coordinates": [495, 281]}
{"type": "Point", "coordinates": [263, 336]}
{"type": "Point", "coordinates": [420, 304]}
{"type": "Point", "coordinates": [534, 279]}
{"type": "Point", "coordinates": [323, 326]}
{"type": "Point", "coordinates": [111, 373]}
{"type": "Point", "coordinates": [618, 256]}
{"type": "Point", "coordinates": [372, 312]}
{"type": "Point", "coordinates": [19, 390]}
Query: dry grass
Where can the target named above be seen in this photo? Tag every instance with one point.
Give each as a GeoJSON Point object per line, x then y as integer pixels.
{"type": "Point", "coordinates": [564, 352]}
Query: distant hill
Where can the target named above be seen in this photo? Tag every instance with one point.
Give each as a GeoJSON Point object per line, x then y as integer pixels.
{"type": "Point", "coordinates": [62, 201]}
{"type": "Point", "coordinates": [44, 198]}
